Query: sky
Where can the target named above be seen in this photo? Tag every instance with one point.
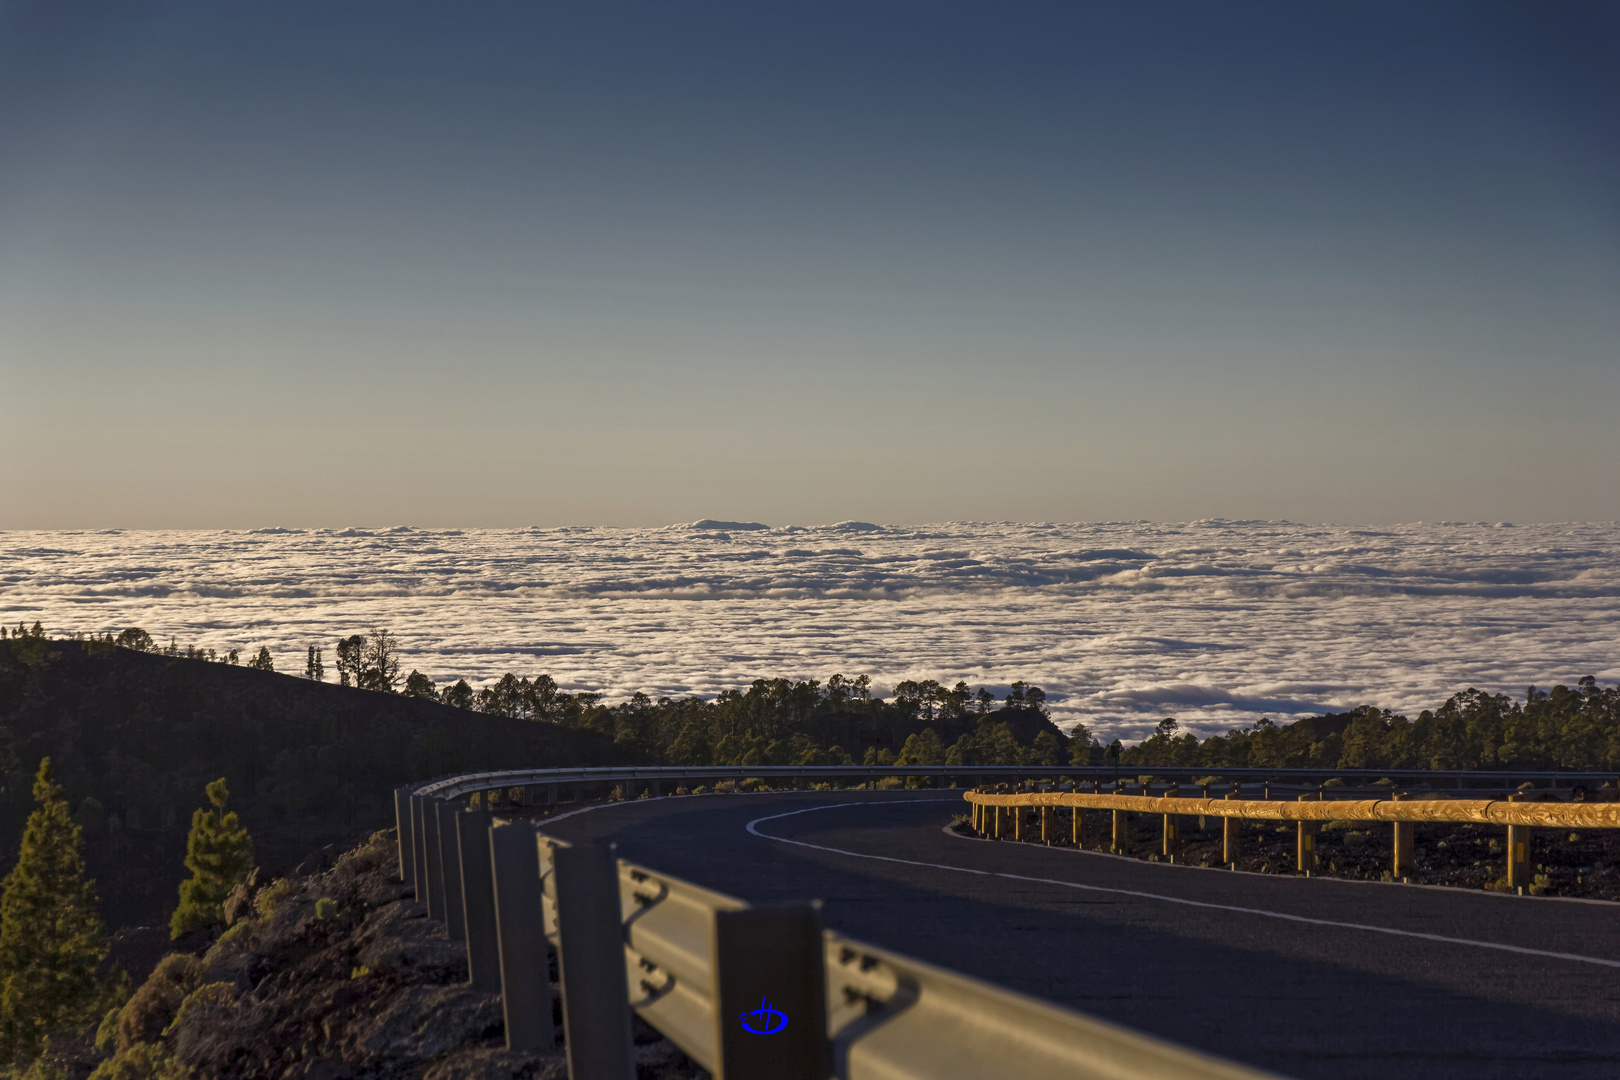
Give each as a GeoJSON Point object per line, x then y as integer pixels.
{"type": "Point", "coordinates": [501, 264]}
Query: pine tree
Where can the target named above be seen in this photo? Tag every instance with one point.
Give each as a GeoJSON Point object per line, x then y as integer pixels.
{"type": "Point", "coordinates": [51, 938]}
{"type": "Point", "coordinates": [219, 855]}
{"type": "Point", "coordinates": [313, 668]}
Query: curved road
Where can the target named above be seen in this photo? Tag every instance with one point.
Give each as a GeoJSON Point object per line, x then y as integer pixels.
{"type": "Point", "coordinates": [1306, 977]}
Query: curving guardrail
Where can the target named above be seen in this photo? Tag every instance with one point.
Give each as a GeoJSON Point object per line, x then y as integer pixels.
{"type": "Point", "coordinates": [750, 993]}
{"type": "Point", "coordinates": [990, 809]}
{"type": "Point", "coordinates": [656, 777]}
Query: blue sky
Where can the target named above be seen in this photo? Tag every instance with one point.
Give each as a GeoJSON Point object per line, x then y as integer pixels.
{"type": "Point", "coordinates": [324, 264]}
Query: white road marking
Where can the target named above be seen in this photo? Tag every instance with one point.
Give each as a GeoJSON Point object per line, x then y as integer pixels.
{"type": "Point", "coordinates": [1442, 938]}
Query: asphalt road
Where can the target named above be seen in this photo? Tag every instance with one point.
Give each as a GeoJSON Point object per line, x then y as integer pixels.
{"type": "Point", "coordinates": [1305, 977]}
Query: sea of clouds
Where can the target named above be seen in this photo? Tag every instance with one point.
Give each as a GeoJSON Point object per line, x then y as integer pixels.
{"type": "Point", "coordinates": [1214, 622]}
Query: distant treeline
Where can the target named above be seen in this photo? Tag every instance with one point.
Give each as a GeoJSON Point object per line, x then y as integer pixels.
{"type": "Point", "coordinates": [840, 721]}
{"type": "Point", "coordinates": [1565, 728]}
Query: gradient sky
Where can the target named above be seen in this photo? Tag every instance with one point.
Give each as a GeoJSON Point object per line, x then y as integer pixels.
{"type": "Point", "coordinates": [312, 264]}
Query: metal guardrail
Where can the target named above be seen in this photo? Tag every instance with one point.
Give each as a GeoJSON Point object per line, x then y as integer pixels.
{"type": "Point", "coordinates": [991, 809]}
{"type": "Point", "coordinates": [716, 975]}
{"type": "Point", "coordinates": [656, 777]}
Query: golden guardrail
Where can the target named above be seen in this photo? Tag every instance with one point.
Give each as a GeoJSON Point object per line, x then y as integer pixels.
{"type": "Point", "coordinates": [991, 811]}
{"type": "Point", "coordinates": [1473, 811]}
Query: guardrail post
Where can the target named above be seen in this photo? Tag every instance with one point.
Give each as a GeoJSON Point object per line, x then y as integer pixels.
{"type": "Point", "coordinates": [521, 938]}
{"type": "Point", "coordinates": [450, 865]}
{"type": "Point", "coordinates": [1079, 827]}
{"type": "Point", "coordinates": [591, 964]}
{"type": "Point", "coordinates": [1231, 837]}
{"type": "Point", "coordinates": [435, 864]}
{"type": "Point", "coordinates": [419, 846]}
{"type": "Point", "coordinates": [1518, 852]}
{"type": "Point", "coordinates": [1121, 840]}
{"type": "Point", "coordinates": [1305, 856]}
{"type": "Point", "coordinates": [1018, 822]}
{"type": "Point", "coordinates": [478, 899]}
{"type": "Point", "coordinates": [771, 957]}
{"type": "Point", "coordinates": [1046, 824]}
{"type": "Point", "coordinates": [402, 829]}
{"type": "Point", "coordinates": [1172, 828]}
{"type": "Point", "coordinates": [1402, 863]}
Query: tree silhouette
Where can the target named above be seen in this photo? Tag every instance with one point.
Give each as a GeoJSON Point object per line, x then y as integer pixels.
{"type": "Point", "coordinates": [51, 938]}
{"type": "Point", "coordinates": [219, 855]}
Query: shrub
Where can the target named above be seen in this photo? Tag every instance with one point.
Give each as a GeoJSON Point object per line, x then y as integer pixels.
{"type": "Point", "coordinates": [270, 899]}
{"type": "Point", "coordinates": [326, 908]}
{"type": "Point", "coordinates": [237, 934]}
{"type": "Point", "coordinates": [153, 1007]}
{"type": "Point", "coordinates": [143, 1061]}
{"type": "Point", "coordinates": [216, 996]}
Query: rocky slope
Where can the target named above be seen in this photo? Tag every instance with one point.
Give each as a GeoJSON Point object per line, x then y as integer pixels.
{"type": "Point", "coordinates": [328, 976]}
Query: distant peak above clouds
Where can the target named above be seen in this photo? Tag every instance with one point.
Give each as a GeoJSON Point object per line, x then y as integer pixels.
{"type": "Point", "coordinates": [723, 526]}
{"type": "Point", "coordinates": [713, 525]}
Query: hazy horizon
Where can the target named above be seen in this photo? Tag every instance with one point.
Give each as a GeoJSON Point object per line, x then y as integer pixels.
{"type": "Point", "coordinates": [629, 264]}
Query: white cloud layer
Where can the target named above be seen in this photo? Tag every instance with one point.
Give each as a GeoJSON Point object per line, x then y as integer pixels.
{"type": "Point", "coordinates": [1214, 622]}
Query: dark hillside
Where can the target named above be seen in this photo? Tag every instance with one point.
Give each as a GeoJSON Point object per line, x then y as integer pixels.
{"type": "Point", "coordinates": [134, 737]}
